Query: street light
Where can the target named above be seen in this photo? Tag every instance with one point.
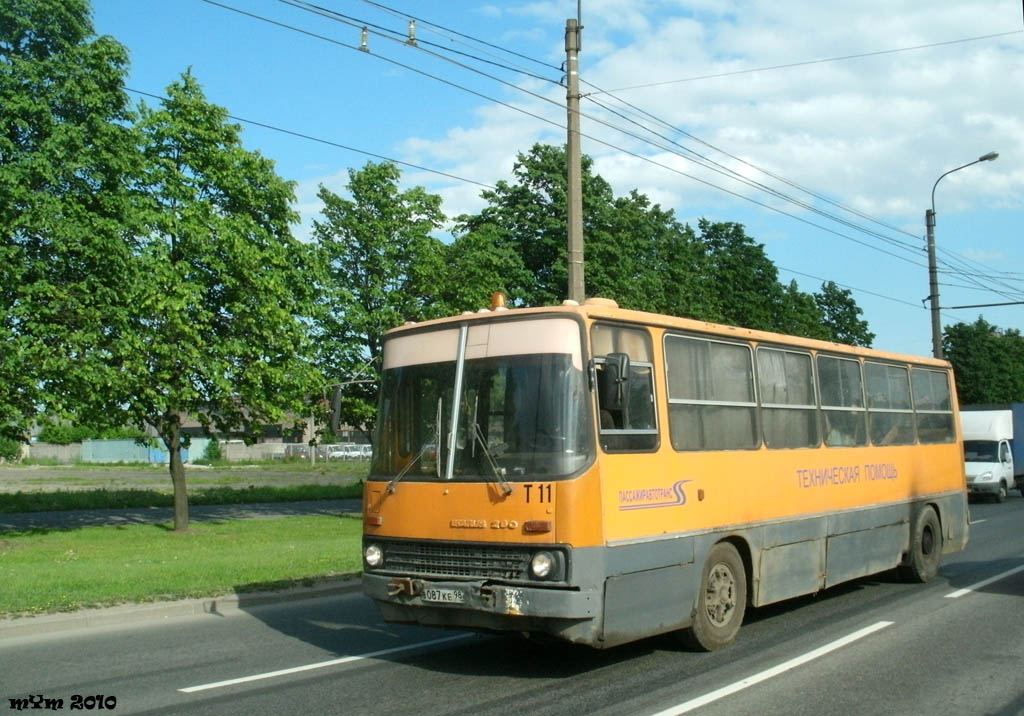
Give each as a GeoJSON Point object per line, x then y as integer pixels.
{"type": "Point", "coordinates": [933, 279]}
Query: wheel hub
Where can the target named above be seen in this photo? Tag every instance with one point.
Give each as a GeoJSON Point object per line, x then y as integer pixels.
{"type": "Point", "coordinates": [720, 596]}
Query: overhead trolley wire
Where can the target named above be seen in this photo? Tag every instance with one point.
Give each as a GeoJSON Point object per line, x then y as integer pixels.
{"type": "Point", "coordinates": [398, 37]}
{"type": "Point", "coordinates": [399, 13]}
{"type": "Point", "coordinates": [560, 125]}
{"type": "Point", "coordinates": [811, 192]}
{"type": "Point", "coordinates": [711, 164]}
{"type": "Point", "coordinates": [817, 62]}
{"type": "Point", "coordinates": [311, 138]}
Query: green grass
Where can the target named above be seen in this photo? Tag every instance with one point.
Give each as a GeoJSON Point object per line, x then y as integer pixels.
{"type": "Point", "coordinates": [60, 570]}
{"type": "Point", "coordinates": [356, 468]}
{"type": "Point", "coordinates": [135, 498]}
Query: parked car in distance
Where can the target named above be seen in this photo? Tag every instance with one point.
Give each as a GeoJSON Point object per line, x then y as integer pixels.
{"type": "Point", "coordinates": [365, 452]}
{"type": "Point", "coordinates": [299, 450]}
{"type": "Point", "coordinates": [344, 451]}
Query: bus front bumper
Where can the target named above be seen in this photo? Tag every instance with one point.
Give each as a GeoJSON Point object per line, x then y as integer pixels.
{"type": "Point", "coordinates": [569, 613]}
{"type": "Point", "coordinates": [982, 487]}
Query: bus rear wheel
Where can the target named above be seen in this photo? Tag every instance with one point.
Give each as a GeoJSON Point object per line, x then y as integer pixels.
{"type": "Point", "coordinates": [922, 562]}
{"type": "Point", "coordinates": [721, 602]}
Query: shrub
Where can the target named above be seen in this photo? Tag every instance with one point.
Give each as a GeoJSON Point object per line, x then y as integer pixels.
{"type": "Point", "coordinates": [212, 451]}
{"type": "Point", "coordinates": [10, 449]}
{"type": "Point", "coordinates": [64, 434]}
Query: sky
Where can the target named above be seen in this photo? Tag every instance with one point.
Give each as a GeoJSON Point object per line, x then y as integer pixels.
{"type": "Point", "coordinates": [821, 127]}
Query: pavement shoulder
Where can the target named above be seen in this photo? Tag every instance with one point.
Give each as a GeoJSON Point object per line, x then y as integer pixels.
{"type": "Point", "coordinates": [129, 614]}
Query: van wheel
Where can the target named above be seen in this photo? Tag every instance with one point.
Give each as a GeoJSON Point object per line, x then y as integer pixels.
{"type": "Point", "coordinates": [721, 602]}
{"type": "Point", "coordinates": [922, 562]}
{"type": "Point", "coordinates": [1001, 495]}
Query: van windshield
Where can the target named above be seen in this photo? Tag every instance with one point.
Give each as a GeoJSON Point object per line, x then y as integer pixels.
{"type": "Point", "coordinates": [981, 451]}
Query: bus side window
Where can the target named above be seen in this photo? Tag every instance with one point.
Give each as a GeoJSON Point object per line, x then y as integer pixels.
{"type": "Point", "coordinates": [890, 413]}
{"type": "Point", "coordinates": [711, 394]}
{"type": "Point", "coordinates": [842, 401]}
{"type": "Point", "coordinates": [625, 389]}
{"type": "Point", "coordinates": [933, 406]}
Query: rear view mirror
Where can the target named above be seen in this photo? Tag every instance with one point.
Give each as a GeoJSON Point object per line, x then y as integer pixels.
{"type": "Point", "coordinates": [613, 378]}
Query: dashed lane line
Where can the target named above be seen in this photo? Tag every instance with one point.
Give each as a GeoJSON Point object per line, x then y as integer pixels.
{"type": "Point", "coordinates": [321, 664]}
{"type": "Point", "coordinates": [782, 668]}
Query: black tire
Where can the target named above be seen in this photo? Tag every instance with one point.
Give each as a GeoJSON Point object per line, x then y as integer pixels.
{"type": "Point", "coordinates": [1022, 492]}
{"type": "Point", "coordinates": [922, 561]}
{"type": "Point", "coordinates": [1001, 493]}
{"type": "Point", "coordinates": [721, 601]}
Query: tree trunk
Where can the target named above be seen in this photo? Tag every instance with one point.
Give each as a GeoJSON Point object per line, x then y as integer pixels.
{"type": "Point", "coordinates": [172, 439]}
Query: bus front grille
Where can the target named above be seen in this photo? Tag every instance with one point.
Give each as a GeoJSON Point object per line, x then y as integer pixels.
{"type": "Point", "coordinates": [457, 560]}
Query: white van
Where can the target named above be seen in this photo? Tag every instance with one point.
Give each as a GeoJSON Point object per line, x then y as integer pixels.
{"type": "Point", "coordinates": [988, 461]}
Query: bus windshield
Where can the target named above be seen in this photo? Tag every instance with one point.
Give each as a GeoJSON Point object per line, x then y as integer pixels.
{"type": "Point", "coordinates": [519, 416]}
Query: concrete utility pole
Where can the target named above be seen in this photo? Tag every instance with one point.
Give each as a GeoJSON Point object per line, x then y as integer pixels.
{"type": "Point", "coordinates": [575, 184]}
{"type": "Point", "coordinates": [933, 272]}
{"type": "Point", "coordinates": [933, 284]}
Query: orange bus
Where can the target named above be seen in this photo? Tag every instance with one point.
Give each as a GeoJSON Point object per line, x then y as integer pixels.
{"type": "Point", "coordinates": [602, 475]}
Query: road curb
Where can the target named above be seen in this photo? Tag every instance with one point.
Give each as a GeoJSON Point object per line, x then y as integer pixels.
{"type": "Point", "coordinates": [123, 615]}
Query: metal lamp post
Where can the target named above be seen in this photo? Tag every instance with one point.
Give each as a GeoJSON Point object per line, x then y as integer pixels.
{"type": "Point", "coordinates": [933, 279]}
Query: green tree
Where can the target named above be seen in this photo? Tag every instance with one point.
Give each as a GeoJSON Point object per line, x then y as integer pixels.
{"type": "Point", "coordinates": [799, 315]}
{"type": "Point", "coordinates": [383, 267]}
{"type": "Point", "coordinates": [988, 362]}
{"type": "Point", "coordinates": [635, 252]}
{"type": "Point", "coordinates": [743, 280]}
{"type": "Point", "coordinates": [217, 318]}
{"type": "Point", "coordinates": [640, 255]}
{"type": "Point", "coordinates": [67, 156]}
{"type": "Point", "coordinates": [479, 263]}
{"type": "Point", "coordinates": [842, 316]}
{"type": "Point", "coordinates": [531, 213]}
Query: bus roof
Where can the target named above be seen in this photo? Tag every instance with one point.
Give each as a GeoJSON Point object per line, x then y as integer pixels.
{"type": "Point", "coordinates": [608, 309]}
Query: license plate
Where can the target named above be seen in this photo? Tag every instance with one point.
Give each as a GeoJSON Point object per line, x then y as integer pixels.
{"type": "Point", "coordinates": [449, 596]}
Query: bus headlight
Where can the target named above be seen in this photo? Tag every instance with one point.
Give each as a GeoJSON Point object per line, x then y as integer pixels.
{"type": "Point", "coordinates": [542, 565]}
{"type": "Point", "coordinates": [373, 555]}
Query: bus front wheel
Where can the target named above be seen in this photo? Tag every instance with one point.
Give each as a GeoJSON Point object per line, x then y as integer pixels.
{"type": "Point", "coordinates": [922, 562]}
{"type": "Point", "coordinates": [721, 602]}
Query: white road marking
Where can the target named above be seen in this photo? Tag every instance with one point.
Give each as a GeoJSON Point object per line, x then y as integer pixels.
{"type": "Point", "coordinates": [320, 665]}
{"type": "Point", "coordinates": [984, 583]}
{"type": "Point", "coordinates": [717, 694]}
{"type": "Point", "coordinates": [977, 522]}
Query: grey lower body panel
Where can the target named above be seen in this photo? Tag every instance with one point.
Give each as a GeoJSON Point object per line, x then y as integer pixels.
{"type": "Point", "coordinates": [633, 590]}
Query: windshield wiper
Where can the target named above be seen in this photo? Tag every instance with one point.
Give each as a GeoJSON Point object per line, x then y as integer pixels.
{"type": "Point", "coordinates": [495, 470]}
{"type": "Point", "coordinates": [404, 470]}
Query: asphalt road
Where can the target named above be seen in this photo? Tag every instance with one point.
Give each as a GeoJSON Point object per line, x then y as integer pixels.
{"type": "Point", "coordinates": [41, 478]}
{"type": "Point", "coordinates": [70, 519]}
{"type": "Point", "coordinates": [875, 646]}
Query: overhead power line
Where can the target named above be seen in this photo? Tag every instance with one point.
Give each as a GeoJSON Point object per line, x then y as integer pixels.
{"type": "Point", "coordinates": [398, 37]}
{"type": "Point", "coordinates": [560, 125]}
{"type": "Point", "coordinates": [311, 138]}
{"type": "Point", "coordinates": [404, 15]}
{"type": "Point", "coordinates": [722, 169]}
{"type": "Point", "coordinates": [852, 288]}
{"type": "Point", "coordinates": [987, 305]}
{"type": "Point", "coordinates": [817, 62]}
